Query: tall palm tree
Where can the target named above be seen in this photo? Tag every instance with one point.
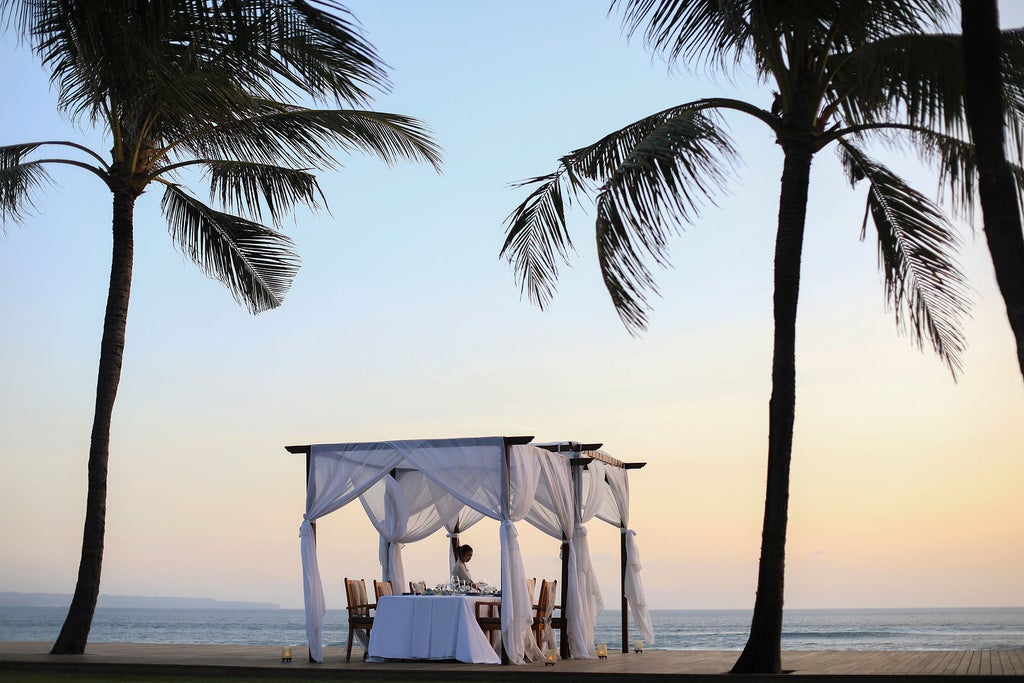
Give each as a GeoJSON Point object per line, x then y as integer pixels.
{"type": "Point", "coordinates": [997, 189]}
{"type": "Point", "coordinates": [210, 85]}
{"type": "Point", "coordinates": [844, 75]}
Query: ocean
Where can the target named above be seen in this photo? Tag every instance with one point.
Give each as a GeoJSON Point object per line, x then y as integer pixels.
{"type": "Point", "coordinates": [803, 629]}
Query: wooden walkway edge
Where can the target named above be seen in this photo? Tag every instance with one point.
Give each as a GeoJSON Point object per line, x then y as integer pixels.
{"type": "Point", "coordinates": [264, 661]}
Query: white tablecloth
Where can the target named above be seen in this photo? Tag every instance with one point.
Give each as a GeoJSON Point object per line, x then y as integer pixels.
{"type": "Point", "coordinates": [430, 627]}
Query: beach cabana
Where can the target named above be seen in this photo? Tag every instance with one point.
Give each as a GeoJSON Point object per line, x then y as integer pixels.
{"type": "Point", "coordinates": [412, 488]}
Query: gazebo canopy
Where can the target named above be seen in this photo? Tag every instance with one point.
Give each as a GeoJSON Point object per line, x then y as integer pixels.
{"type": "Point", "coordinates": [412, 488]}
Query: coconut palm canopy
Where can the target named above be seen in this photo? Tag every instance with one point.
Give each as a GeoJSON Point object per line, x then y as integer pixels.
{"type": "Point", "coordinates": [846, 76]}
{"type": "Point", "coordinates": [220, 87]}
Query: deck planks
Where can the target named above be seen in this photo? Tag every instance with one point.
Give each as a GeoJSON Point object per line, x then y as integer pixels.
{"type": "Point", "coordinates": [265, 661]}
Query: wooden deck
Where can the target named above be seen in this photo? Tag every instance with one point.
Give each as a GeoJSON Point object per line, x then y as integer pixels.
{"type": "Point", "coordinates": [692, 665]}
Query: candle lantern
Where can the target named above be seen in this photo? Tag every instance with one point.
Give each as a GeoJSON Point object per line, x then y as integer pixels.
{"type": "Point", "coordinates": [602, 650]}
{"type": "Point", "coordinates": [638, 647]}
{"type": "Point", "coordinates": [286, 653]}
{"type": "Point", "coordinates": [550, 657]}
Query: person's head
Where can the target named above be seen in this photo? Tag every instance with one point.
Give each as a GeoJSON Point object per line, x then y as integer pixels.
{"type": "Point", "coordinates": [465, 553]}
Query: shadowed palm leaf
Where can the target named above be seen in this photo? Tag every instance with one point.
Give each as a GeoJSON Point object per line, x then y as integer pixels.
{"type": "Point", "coordinates": [665, 165]}
{"type": "Point", "coordinates": [927, 290]}
{"type": "Point", "coordinates": [19, 182]}
{"type": "Point", "coordinates": [256, 263]}
{"type": "Point", "coordinates": [297, 136]}
{"type": "Point", "coordinates": [244, 187]}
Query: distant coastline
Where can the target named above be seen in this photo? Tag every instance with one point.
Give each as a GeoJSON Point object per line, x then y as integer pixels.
{"type": "Point", "coordinates": [9, 599]}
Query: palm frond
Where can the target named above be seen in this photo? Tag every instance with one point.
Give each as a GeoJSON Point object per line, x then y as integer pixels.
{"type": "Point", "coordinates": [103, 54]}
{"type": "Point", "coordinates": [19, 181]}
{"type": "Point", "coordinates": [294, 136]}
{"type": "Point", "coordinates": [957, 167]}
{"type": "Point", "coordinates": [916, 249]}
{"type": "Point", "coordinates": [719, 33]}
{"type": "Point", "coordinates": [712, 33]}
{"type": "Point", "coordinates": [1012, 43]}
{"type": "Point", "coordinates": [243, 187]}
{"type": "Point", "coordinates": [918, 77]}
{"type": "Point", "coordinates": [537, 236]}
{"type": "Point", "coordinates": [655, 191]}
{"type": "Point", "coordinates": [321, 50]}
{"type": "Point", "coordinates": [256, 264]}
{"type": "Point", "coordinates": [670, 158]}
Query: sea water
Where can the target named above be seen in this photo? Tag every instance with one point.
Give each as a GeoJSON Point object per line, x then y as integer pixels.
{"type": "Point", "coordinates": [803, 629]}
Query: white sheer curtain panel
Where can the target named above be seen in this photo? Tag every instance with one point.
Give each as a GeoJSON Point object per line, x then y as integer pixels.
{"type": "Point", "coordinates": [592, 495]}
{"type": "Point", "coordinates": [405, 508]}
{"type": "Point", "coordinates": [618, 486]}
{"type": "Point", "coordinates": [553, 513]}
{"type": "Point", "coordinates": [336, 477]}
{"type": "Point", "coordinates": [516, 604]}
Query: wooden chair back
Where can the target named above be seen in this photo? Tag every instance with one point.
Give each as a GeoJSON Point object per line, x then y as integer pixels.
{"type": "Point", "coordinates": [355, 592]}
{"type": "Point", "coordinates": [542, 627]}
{"type": "Point", "coordinates": [546, 599]}
{"type": "Point", "coordinates": [417, 587]}
{"type": "Point", "coordinates": [359, 618]}
{"type": "Point", "coordinates": [382, 588]}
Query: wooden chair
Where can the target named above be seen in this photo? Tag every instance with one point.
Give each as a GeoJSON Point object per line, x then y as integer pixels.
{"type": "Point", "coordinates": [417, 587]}
{"type": "Point", "coordinates": [382, 588]}
{"type": "Point", "coordinates": [488, 615]}
{"type": "Point", "coordinates": [359, 617]}
{"type": "Point", "coordinates": [544, 620]}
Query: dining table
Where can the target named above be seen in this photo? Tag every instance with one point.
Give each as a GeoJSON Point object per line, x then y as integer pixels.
{"type": "Point", "coordinates": [430, 627]}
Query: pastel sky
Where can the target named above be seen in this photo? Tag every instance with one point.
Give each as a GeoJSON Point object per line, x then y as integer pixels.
{"type": "Point", "coordinates": [403, 323]}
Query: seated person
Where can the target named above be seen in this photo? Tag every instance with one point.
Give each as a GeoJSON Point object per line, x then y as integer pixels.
{"type": "Point", "coordinates": [464, 553]}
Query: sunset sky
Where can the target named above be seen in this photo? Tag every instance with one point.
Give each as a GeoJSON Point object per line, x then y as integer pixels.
{"type": "Point", "coordinates": [403, 323]}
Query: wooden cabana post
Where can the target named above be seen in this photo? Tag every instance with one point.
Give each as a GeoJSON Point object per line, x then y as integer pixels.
{"type": "Point", "coordinates": [622, 555]}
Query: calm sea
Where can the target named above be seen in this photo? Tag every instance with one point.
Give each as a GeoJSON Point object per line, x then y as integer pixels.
{"type": "Point", "coordinates": [846, 629]}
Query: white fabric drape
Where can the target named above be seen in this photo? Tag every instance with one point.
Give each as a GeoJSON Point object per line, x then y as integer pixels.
{"type": "Point", "coordinates": [592, 495]}
{"type": "Point", "coordinates": [405, 508]}
{"type": "Point", "coordinates": [553, 513]}
{"type": "Point", "coordinates": [618, 514]}
{"type": "Point", "coordinates": [334, 481]}
{"type": "Point", "coordinates": [560, 514]}
{"type": "Point", "coordinates": [516, 604]}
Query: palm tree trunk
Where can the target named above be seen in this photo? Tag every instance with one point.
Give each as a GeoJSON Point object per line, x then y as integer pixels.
{"type": "Point", "coordinates": [997, 190]}
{"type": "Point", "coordinates": [75, 632]}
{"type": "Point", "coordinates": [763, 651]}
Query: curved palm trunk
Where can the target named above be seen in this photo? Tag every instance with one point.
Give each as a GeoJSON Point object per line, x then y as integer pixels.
{"type": "Point", "coordinates": [75, 632]}
{"type": "Point", "coordinates": [763, 651]}
{"type": "Point", "coordinates": [997, 189]}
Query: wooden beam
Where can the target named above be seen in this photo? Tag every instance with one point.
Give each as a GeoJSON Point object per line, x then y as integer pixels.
{"type": "Point", "coordinates": [633, 465]}
{"type": "Point", "coordinates": [298, 449]}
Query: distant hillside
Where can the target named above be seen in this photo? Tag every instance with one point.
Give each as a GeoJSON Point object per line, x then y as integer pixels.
{"type": "Point", "coordinates": [62, 600]}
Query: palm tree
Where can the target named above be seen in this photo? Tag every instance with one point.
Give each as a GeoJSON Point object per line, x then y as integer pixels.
{"type": "Point", "coordinates": [845, 75]}
{"type": "Point", "coordinates": [997, 189]}
{"type": "Point", "coordinates": [214, 86]}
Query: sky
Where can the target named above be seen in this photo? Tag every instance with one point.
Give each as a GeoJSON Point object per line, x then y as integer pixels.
{"type": "Point", "coordinates": [404, 323]}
